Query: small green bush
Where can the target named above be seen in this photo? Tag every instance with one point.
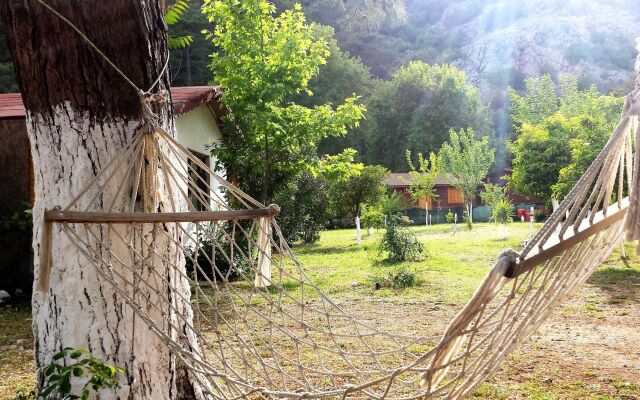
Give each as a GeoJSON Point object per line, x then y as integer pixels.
{"type": "Point", "coordinates": [304, 203]}
{"type": "Point", "coordinates": [398, 278]}
{"type": "Point", "coordinates": [59, 373]}
{"type": "Point", "coordinates": [450, 217]}
{"type": "Point", "coordinates": [539, 216]}
{"type": "Point", "coordinates": [199, 258]}
{"type": "Point", "coordinates": [372, 217]}
{"type": "Point", "coordinates": [502, 212]}
{"type": "Point", "coordinates": [467, 220]}
{"type": "Point", "coordinates": [400, 243]}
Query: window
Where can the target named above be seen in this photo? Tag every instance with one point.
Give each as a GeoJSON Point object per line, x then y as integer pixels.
{"type": "Point", "coordinates": [422, 203]}
{"type": "Point", "coordinates": [199, 186]}
{"type": "Point", "coordinates": [455, 196]}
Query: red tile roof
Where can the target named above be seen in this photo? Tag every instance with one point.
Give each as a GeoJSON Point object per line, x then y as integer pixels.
{"type": "Point", "coordinates": [11, 105]}
{"type": "Point", "coordinates": [184, 100]}
{"type": "Point", "coordinates": [187, 98]}
{"type": "Point", "coordinates": [401, 179]}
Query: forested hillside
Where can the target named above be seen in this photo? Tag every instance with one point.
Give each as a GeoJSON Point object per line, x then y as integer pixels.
{"type": "Point", "coordinates": [498, 43]}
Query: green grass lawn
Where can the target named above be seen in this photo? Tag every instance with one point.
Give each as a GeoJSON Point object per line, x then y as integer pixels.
{"type": "Point", "coordinates": [555, 364]}
{"type": "Point", "coordinates": [451, 270]}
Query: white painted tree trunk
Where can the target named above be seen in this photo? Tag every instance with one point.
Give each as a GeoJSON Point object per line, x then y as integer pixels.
{"type": "Point", "coordinates": [426, 215]}
{"type": "Point", "coordinates": [80, 309]}
{"type": "Point", "coordinates": [80, 113]}
{"type": "Point", "coordinates": [358, 231]}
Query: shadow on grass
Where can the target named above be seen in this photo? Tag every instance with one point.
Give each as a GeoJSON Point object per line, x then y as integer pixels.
{"type": "Point", "coordinates": [319, 249]}
{"type": "Point", "coordinates": [384, 263]}
{"type": "Point", "coordinates": [621, 284]}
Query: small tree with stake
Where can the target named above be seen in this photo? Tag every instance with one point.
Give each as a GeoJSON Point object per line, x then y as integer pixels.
{"type": "Point", "coordinates": [496, 199]}
{"type": "Point", "coordinates": [423, 179]}
{"type": "Point", "coordinates": [502, 214]}
{"type": "Point", "coordinates": [466, 162]}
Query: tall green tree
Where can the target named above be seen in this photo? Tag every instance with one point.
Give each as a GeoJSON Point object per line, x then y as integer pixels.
{"type": "Point", "coordinates": [466, 162]}
{"type": "Point", "coordinates": [190, 49]}
{"type": "Point", "coordinates": [8, 82]}
{"type": "Point", "coordinates": [354, 15]}
{"type": "Point", "coordinates": [261, 59]}
{"type": "Point", "coordinates": [423, 179]}
{"type": "Point", "coordinates": [341, 77]}
{"type": "Point", "coordinates": [538, 102]}
{"type": "Point", "coordinates": [558, 134]}
{"type": "Point", "coordinates": [542, 100]}
{"type": "Point", "coordinates": [416, 110]}
{"type": "Point", "coordinates": [353, 184]}
{"type": "Point", "coordinates": [540, 152]}
{"type": "Point", "coordinates": [304, 203]}
{"type": "Point", "coordinates": [366, 187]}
{"type": "Point", "coordinates": [588, 138]}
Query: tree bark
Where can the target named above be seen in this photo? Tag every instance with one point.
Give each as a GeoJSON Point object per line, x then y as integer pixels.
{"type": "Point", "coordinates": [80, 114]}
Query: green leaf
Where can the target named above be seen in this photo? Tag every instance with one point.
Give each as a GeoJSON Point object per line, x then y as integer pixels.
{"type": "Point", "coordinates": [77, 371]}
{"type": "Point", "coordinates": [76, 354]}
{"type": "Point", "coordinates": [50, 369]}
{"type": "Point", "coordinates": [65, 386]}
{"type": "Point", "coordinates": [47, 391]}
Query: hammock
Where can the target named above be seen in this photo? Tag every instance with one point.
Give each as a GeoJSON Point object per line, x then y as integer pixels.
{"type": "Point", "coordinates": [261, 328]}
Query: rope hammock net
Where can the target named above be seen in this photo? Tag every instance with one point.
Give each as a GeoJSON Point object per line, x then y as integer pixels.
{"type": "Point", "coordinates": [259, 326]}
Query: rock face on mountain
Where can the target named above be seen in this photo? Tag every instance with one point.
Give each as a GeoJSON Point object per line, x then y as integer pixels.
{"type": "Point", "coordinates": [499, 42]}
{"type": "Point", "coordinates": [532, 37]}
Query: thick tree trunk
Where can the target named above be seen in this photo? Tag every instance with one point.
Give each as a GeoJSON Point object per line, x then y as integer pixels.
{"type": "Point", "coordinates": [80, 113]}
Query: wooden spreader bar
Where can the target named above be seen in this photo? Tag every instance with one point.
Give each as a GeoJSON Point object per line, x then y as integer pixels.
{"type": "Point", "coordinates": [555, 245]}
{"type": "Point", "coordinates": [78, 217]}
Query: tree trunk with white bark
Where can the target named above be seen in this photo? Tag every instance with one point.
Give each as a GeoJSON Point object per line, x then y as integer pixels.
{"type": "Point", "coordinates": [80, 114]}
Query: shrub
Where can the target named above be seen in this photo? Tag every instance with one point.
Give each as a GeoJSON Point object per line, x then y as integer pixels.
{"type": "Point", "coordinates": [392, 203]}
{"type": "Point", "coordinates": [400, 243]}
{"type": "Point", "coordinates": [204, 253]}
{"type": "Point", "coordinates": [372, 217]}
{"type": "Point", "coordinates": [403, 220]}
{"type": "Point", "coordinates": [467, 220]}
{"type": "Point", "coordinates": [59, 373]}
{"type": "Point", "coordinates": [539, 216]}
{"type": "Point", "coordinates": [502, 212]}
{"type": "Point", "coordinates": [304, 204]}
{"type": "Point", "coordinates": [398, 278]}
{"type": "Point", "coordinates": [450, 217]}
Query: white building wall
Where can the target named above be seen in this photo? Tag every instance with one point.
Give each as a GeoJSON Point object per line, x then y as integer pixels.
{"type": "Point", "coordinates": [198, 129]}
